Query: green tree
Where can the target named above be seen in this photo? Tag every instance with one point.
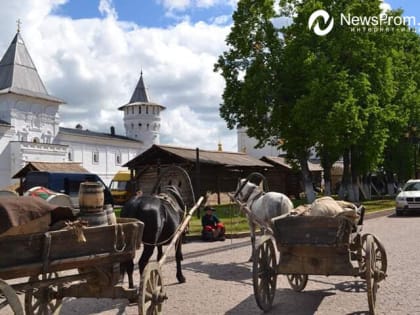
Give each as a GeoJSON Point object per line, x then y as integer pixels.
{"type": "Point", "coordinates": [341, 93]}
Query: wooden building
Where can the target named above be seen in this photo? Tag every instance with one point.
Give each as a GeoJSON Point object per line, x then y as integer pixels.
{"type": "Point", "coordinates": [285, 179]}
{"type": "Point", "coordinates": [214, 171]}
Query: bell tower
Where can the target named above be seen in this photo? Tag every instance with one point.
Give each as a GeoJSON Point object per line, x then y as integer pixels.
{"type": "Point", "coordinates": [142, 117]}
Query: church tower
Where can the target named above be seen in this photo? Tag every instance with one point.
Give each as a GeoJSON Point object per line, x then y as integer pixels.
{"type": "Point", "coordinates": [142, 117]}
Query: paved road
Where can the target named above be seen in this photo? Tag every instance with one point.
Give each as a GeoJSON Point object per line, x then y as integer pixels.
{"type": "Point", "coordinates": [220, 283]}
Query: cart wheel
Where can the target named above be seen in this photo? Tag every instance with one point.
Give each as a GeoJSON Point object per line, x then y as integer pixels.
{"type": "Point", "coordinates": [371, 270]}
{"type": "Point", "coordinates": [152, 293]}
{"type": "Point", "coordinates": [43, 300]}
{"type": "Point", "coordinates": [297, 281]}
{"type": "Point", "coordinates": [8, 297]}
{"type": "Point", "coordinates": [381, 261]}
{"type": "Point", "coordinates": [264, 275]}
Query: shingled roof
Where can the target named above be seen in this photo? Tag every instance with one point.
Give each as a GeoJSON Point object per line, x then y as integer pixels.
{"type": "Point", "coordinates": [170, 154]}
{"type": "Point", "coordinates": [140, 95]}
{"type": "Point", "coordinates": [278, 160]}
{"type": "Point", "coordinates": [63, 167]}
{"type": "Point", "coordinates": [88, 133]}
{"type": "Point", "coordinates": [19, 75]}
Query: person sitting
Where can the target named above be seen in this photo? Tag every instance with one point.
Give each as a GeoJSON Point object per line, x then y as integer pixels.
{"type": "Point", "coordinates": [213, 228]}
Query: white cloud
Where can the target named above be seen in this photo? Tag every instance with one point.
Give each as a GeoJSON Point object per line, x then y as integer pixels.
{"type": "Point", "coordinates": [385, 6]}
{"type": "Point", "coordinates": [94, 65]}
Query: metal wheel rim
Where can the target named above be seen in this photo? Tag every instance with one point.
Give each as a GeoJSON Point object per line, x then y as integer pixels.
{"type": "Point", "coordinates": [371, 283]}
{"type": "Point", "coordinates": [264, 275]}
{"type": "Point", "coordinates": [43, 300]}
{"type": "Point", "coordinates": [151, 295]}
{"type": "Point", "coordinates": [297, 281]}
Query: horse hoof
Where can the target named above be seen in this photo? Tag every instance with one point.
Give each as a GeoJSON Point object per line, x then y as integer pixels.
{"type": "Point", "coordinates": [181, 279]}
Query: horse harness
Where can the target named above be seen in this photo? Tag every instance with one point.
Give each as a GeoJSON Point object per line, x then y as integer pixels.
{"type": "Point", "coordinates": [173, 206]}
{"type": "Point", "coordinates": [251, 201]}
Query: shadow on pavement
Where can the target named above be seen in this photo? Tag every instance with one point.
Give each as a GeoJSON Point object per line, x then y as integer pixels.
{"type": "Point", "coordinates": [286, 301]}
{"type": "Point", "coordinates": [229, 272]}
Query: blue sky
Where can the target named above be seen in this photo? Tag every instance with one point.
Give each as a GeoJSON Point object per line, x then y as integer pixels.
{"type": "Point", "coordinates": [152, 13]}
{"type": "Point", "coordinates": [410, 7]}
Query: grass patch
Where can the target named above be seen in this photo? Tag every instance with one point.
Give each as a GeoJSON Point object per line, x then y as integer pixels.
{"type": "Point", "coordinates": [236, 222]}
{"type": "Point", "coordinates": [377, 205]}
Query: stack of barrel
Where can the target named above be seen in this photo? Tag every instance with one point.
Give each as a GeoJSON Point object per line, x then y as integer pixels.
{"type": "Point", "coordinates": [91, 204]}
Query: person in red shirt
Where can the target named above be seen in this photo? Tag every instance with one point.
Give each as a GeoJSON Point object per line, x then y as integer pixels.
{"type": "Point", "coordinates": [213, 228]}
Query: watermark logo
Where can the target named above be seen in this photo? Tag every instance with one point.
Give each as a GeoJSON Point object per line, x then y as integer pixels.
{"type": "Point", "coordinates": [380, 23]}
{"type": "Point", "coordinates": [314, 19]}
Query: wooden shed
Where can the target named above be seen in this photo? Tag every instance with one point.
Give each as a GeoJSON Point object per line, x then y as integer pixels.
{"type": "Point", "coordinates": [214, 171]}
{"type": "Point", "coordinates": [284, 178]}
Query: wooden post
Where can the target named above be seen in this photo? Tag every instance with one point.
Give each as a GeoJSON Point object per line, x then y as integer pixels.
{"type": "Point", "coordinates": [197, 176]}
{"type": "Point", "coordinates": [180, 230]}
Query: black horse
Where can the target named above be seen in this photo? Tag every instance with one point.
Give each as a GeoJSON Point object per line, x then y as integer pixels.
{"type": "Point", "coordinates": [161, 214]}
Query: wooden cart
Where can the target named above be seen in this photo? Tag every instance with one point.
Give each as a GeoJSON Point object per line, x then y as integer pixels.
{"type": "Point", "coordinates": [35, 264]}
{"type": "Point", "coordinates": [310, 245]}
{"type": "Point", "coordinates": [92, 267]}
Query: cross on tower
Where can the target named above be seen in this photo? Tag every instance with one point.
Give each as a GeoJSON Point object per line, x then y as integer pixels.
{"type": "Point", "coordinates": [18, 23]}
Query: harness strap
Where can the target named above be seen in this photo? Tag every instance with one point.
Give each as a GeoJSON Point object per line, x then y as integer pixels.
{"type": "Point", "coordinates": [251, 201]}
{"type": "Point", "coordinates": [174, 206]}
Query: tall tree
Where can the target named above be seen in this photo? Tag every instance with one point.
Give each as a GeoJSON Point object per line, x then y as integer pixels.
{"type": "Point", "coordinates": [339, 92]}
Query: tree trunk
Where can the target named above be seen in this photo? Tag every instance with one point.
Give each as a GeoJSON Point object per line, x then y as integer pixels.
{"type": "Point", "coordinates": [355, 176]}
{"type": "Point", "coordinates": [327, 179]}
{"type": "Point", "coordinates": [343, 192]}
{"type": "Point", "coordinates": [390, 183]}
{"type": "Point", "coordinates": [307, 181]}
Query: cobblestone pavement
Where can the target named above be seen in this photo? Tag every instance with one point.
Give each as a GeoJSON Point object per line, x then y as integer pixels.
{"type": "Point", "coordinates": [221, 282]}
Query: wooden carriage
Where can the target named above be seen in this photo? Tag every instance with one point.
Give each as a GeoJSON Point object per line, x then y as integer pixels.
{"type": "Point", "coordinates": [41, 263]}
{"type": "Point", "coordinates": [316, 245]}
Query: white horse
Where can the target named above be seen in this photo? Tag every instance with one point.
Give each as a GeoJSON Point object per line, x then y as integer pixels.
{"type": "Point", "coordinates": [264, 206]}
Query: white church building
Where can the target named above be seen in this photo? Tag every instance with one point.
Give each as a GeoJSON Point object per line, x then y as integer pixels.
{"type": "Point", "coordinates": [30, 124]}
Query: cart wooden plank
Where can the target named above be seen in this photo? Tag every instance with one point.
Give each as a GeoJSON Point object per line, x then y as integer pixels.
{"type": "Point", "coordinates": [24, 255]}
{"type": "Point", "coordinates": [312, 230]}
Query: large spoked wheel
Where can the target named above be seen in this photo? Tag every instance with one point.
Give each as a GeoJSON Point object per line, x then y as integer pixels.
{"type": "Point", "coordinates": [264, 275]}
{"type": "Point", "coordinates": [8, 298]}
{"type": "Point", "coordinates": [43, 300]}
{"type": "Point", "coordinates": [371, 271]}
{"type": "Point", "coordinates": [152, 293]}
{"type": "Point", "coordinates": [297, 281]}
{"type": "Point", "coordinates": [381, 260]}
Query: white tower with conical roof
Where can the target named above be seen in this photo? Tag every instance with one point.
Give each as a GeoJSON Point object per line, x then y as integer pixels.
{"type": "Point", "coordinates": [142, 117]}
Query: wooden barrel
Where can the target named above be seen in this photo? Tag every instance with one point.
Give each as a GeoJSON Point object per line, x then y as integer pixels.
{"type": "Point", "coordinates": [91, 197]}
{"type": "Point", "coordinates": [110, 214]}
{"type": "Point", "coordinates": [60, 200]}
{"type": "Point", "coordinates": [94, 218]}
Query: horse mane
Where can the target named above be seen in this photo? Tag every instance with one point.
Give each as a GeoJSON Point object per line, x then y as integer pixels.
{"type": "Point", "coordinates": [174, 192]}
